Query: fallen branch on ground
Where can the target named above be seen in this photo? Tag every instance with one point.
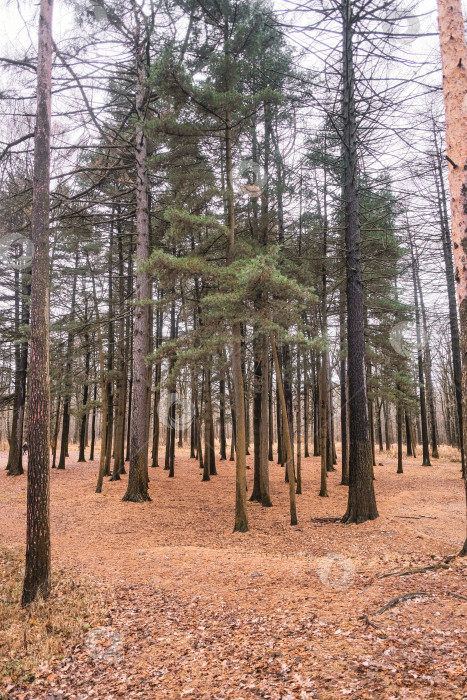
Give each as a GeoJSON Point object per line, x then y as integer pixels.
{"type": "Point", "coordinates": [369, 623]}
{"type": "Point", "coordinates": [432, 567]}
{"type": "Point", "coordinates": [401, 598]}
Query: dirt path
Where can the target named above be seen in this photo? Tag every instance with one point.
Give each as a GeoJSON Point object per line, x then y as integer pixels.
{"type": "Point", "coordinates": [200, 612]}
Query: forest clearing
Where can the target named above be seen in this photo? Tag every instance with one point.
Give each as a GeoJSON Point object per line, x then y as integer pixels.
{"type": "Point", "coordinates": [233, 349]}
{"type": "Point", "coordinates": [190, 609]}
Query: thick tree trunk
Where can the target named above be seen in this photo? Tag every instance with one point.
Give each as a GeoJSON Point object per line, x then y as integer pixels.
{"type": "Point", "coordinates": [55, 433]}
{"type": "Point", "coordinates": [37, 579]}
{"type": "Point", "coordinates": [421, 379]}
{"type": "Point", "coordinates": [120, 389]}
{"type": "Point", "coordinates": [138, 478]}
{"type": "Point", "coordinates": [454, 62]}
{"type": "Point", "coordinates": [257, 404]}
{"type": "Point", "coordinates": [87, 368]}
{"type": "Point", "coordinates": [15, 457]}
{"type": "Point", "coordinates": [451, 288]}
{"type": "Point", "coordinates": [264, 437]}
{"type": "Point", "coordinates": [287, 438]}
{"type": "Point", "coordinates": [343, 391]}
{"type": "Point", "coordinates": [68, 377]}
{"type": "Point", "coordinates": [271, 417]}
{"type": "Point", "coordinates": [241, 517]}
{"type": "Point", "coordinates": [323, 413]}
{"type": "Point", "coordinates": [399, 439]}
{"type": "Point", "coordinates": [299, 424]}
{"type": "Point", "coordinates": [306, 408]}
{"type": "Point", "coordinates": [362, 502]}
{"type": "Point", "coordinates": [222, 440]}
{"type": "Point", "coordinates": [93, 427]}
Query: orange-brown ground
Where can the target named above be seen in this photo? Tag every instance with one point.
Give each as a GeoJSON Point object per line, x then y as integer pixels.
{"type": "Point", "coordinates": [197, 611]}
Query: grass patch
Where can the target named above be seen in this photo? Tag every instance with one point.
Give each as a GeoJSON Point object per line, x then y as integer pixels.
{"type": "Point", "coordinates": [45, 630]}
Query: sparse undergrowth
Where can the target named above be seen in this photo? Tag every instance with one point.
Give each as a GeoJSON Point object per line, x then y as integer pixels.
{"type": "Point", "coordinates": [45, 630]}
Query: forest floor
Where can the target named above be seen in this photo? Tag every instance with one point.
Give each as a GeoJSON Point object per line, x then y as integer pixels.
{"type": "Point", "coordinates": [163, 600]}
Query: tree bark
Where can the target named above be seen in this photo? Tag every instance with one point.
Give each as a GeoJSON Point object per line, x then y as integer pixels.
{"type": "Point", "coordinates": [287, 438]}
{"type": "Point", "coordinates": [37, 577]}
{"type": "Point", "coordinates": [361, 502]}
{"type": "Point", "coordinates": [138, 478]}
{"type": "Point", "coordinates": [454, 62]}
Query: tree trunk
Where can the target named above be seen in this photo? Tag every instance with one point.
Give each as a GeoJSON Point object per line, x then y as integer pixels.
{"type": "Point", "coordinates": [299, 424]}
{"type": "Point", "coordinates": [454, 62]}
{"type": "Point", "coordinates": [265, 422]}
{"type": "Point", "coordinates": [37, 578]}
{"type": "Point", "coordinates": [257, 405]}
{"type": "Point", "coordinates": [138, 478]}
{"type": "Point", "coordinates": [222, 440]}
{"type": "Point", "coordinates": [121, 379]}
{"type": "Point", "coordinates": [15, 457]}
{"type": "Point", "coordinates": [451, 288]}
{"type": "Point", "coordinates": [87, 367]}
{"type": "Point", "coordinates": [362, 502]}
{"type": "Point", "coordinates": [323, 372]}
{"type": "Point", "coordinates": [421, 379]}
{"type": "Point", "coordinates": [287, 438]}
{"type": "Point", "coordinates": [399, 438]}
{"type": "Point", "coordinates": [343, 391]}
{"type": "Point", "coordinates": [68, 377]}
{"type": "Point", "coordinates": [241, 517]}
{"type": "Point", "coordinates": [55, 433]}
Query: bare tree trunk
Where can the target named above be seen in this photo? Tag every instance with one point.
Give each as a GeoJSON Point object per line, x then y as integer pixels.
{"type": "Point", "coordinates": [87, 368]}
{"type": "Point", "coordinates": [299, 424]}
{"type": "Point", "coordinates": [264, 428]}
{"type": "Point", "coordinates": [15, 456]}
{"type": "Point", "coordinates": [343, 391]}
{"type": "Point", "coordinates": [323, 413]}
{"type": "Point", "coordinates": [222, 440]}
{"type": "Point", "coordinates": [68, 379]}
{"type": "Point", "coordinates": [257, 406]}
{"type": "Point", "coordinates": [138, 478]}
{"type": "Point", "coordinates": [55, 433]}
{"type": "Point", "coordinates": [454, 61]}
{"type": "Point", "coordinates": [362, 502]}
{"type": "Point", "coordinates": [287, 438]}
{"type": "Point", "coordinates": [37, 577]}
{"type": "Point", "coordinates": [451, 289]}
{"type": "Point", "coordinates": [241, 517]}
{"type": "Point", "coordinates": [120, 388]}
{"type": "Point", "coordinates": [399, 438]}
{"type": "Point", "coordinates": [421, 379]}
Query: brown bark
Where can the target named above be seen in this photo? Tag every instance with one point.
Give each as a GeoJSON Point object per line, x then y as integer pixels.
{"type": "Point", "coordinates": [362, 501]}
{"type": "Point", "coordinates": [241, 517]}
{"type": "Point", "coordinates": [264, 436]}
{"type": "Point", "coordinates": [454, 63]}
{"type": "Point", "coordinates": [138, 479]}
{"type": "Point", "coordinates": [287, 438]}
{"type": "Point", "coordinates": [299, 424]}
{"type": "Point", "coordinates": [37, 579]}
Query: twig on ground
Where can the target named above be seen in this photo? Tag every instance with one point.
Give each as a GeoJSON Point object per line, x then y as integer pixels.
{"type": "Point", "coordinates": [401, 598]}
{"type": "Point", "coordinates": [457, 595]}
{"type": "Point", "coordinates": [369, 623]}
{"type": "Point", "coordinates": [416, 517]}
{"type": "Point", "coordinates": [432, 567]}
